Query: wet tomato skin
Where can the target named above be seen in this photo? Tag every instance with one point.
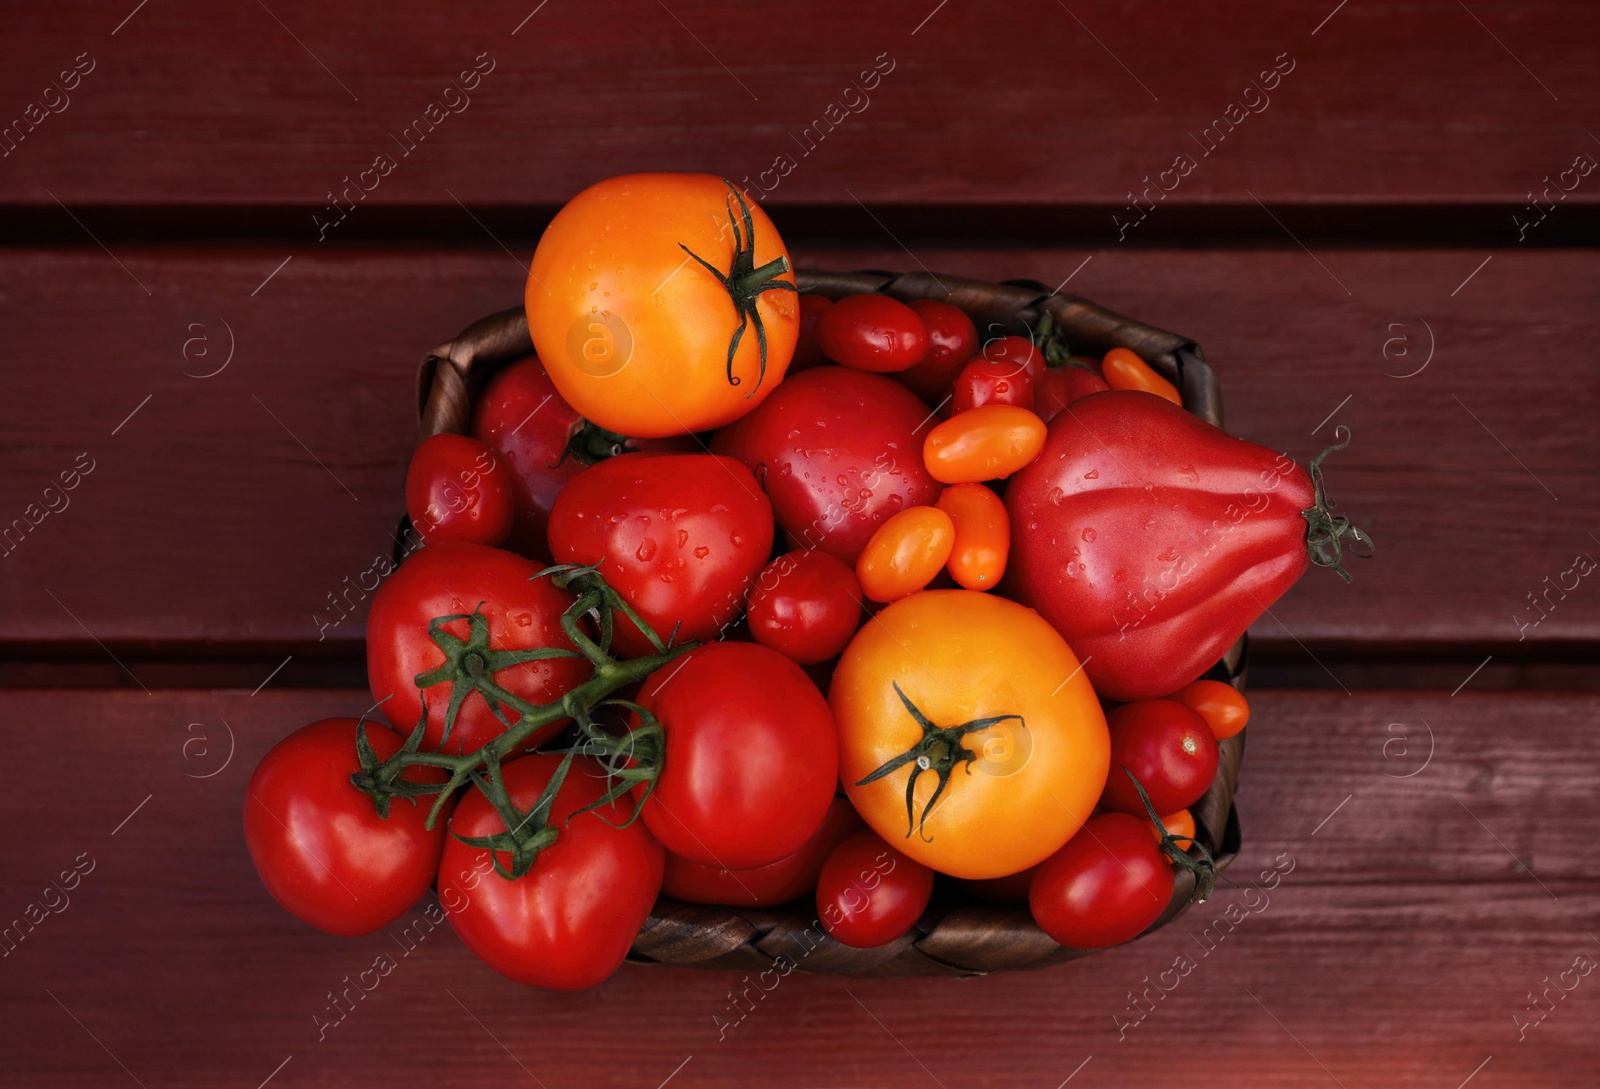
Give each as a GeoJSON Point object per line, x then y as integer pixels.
{"type": "Point", "coordinates": [838, 451]}
{"type": "Point", "coordinates": [869, 894]}
{"type": "Point", "coordinates": [952, 342]}
{"type": "Point", "coordinates": [871, 332]}
{"type": "Point", "coordinates": [457, 490]}
{"type": "Point", "coordinates": [806, 605]}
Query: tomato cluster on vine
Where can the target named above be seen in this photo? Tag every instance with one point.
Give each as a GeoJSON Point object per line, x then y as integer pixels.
{"type": "Point", "coordinates": [736, 595]}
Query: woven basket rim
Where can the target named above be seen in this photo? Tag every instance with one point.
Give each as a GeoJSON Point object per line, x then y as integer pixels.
{"type": "Point", "coordinates": [961, 940]}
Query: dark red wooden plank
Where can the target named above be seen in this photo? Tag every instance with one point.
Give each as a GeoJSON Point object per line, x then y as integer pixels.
{"type": "Point", "coordinates": [227, 509]}
{"type": "Point", "coordinates": [1038, 104]}
{"type": "Point", "coordinates": [1396, 948]}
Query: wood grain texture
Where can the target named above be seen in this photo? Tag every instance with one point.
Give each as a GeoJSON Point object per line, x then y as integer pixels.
{"type": "Point", "coordinates": [227, 510]}
{"type": "Point", "coordinates": [1041, 104]}
{"type": "Point", "coordinates": [1395, 949]}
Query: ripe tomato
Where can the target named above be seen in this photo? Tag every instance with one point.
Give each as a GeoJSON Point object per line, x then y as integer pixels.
{"type": "Point", "coordinates": [807, 352]}
{"type": "Point", "coordinates": [679, 536]}
{"type": "Point", "coordinates": [1019, 351]}
{"type": "Point", "coordinates": [1105, 887]}
{"type": "Point", "coordinates": [869, 894]}
{"type": "Point", "coordinates": [991, 382]}
{"type": "Point", "coordinates": [1004, 705]}
{"type": "Point", "coordinates": [905, 553]}
{"type": "Point", "coordinates": [570, 920]}
{"type": "Point", "coordinates": [838, 452]}
{"type": "Point", "coordinates": [987, 443]}
{"type": "Point", "coordinates": [450, 578]}
{"type": "Point", "coordinates": [1179, 825]}
{"type": "Point", "coordinates": [952, 341]}
{"type": "Point", "coordinates": [1125, 370]}
{"type": "Point", "coordinates": [1152, 540]}
{"type": "Point", "coordinates": [775, 883]}
{"type": "Point", "coordinates": [318, 843]}
{"type": "Point", "coordinates": [872, 333]}
{"type": "Point", "coordinates": [1168, 748]}
{"type": "Point", "coordinates": [457, 490]}
{"type": "Point", "coordinates": [752, 758]}
{"type": "Point", "coordinates": [662, 304]}
{"type": "Point", "coordinates": [1222, 706]}
{"type": "Point", "coordinates": [805, 605]}
{"type": "Point", "coordinates": [545, 443]}
{"type": "Point", "coordinates": [1058, 387]}
{"type": "Point", "coordinates": [982, 535]}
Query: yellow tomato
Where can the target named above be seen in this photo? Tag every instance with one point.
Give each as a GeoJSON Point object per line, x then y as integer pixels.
{"type": "Point", "coordinates": [662, 304]}
{"type": "Point", "coordinates": [997, 707]}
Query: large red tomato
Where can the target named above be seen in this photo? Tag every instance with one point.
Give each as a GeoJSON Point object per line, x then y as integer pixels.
{"type": "Point", "coordinates": [570, 920]}
{"type": "Point", "coordinates": [451, 578]}
{"type": "Point", "coordinates": [680, 536]}
{"type": "Point", "coordinates": [839, 451]}
{"type": "Point", "coordinates": [752, 757]}
{"type": "Point", "coordinates": [775, 883]}
{"type": "Point", "coordinates": [318, 843]}
{"type": "Point", "coordinates": [1151, 540]}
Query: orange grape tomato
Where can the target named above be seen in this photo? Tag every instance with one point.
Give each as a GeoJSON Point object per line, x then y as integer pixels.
{"type": "Point", "coordinates": [989, 442]}
{"type": "Point", "coordinates": [983, 535]}
{"type": "Point", "coordinates": [1179, 825]}
{"type": "Point", "coordinates": [1222, 706]}
{"type": "Point", "coordinates": [1123, 369]}
{"type": "Point", "coordinates": [905, 553]}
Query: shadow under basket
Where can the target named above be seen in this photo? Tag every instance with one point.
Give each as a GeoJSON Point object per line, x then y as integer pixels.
{"type": "Point", "coordinates": [956, 936]}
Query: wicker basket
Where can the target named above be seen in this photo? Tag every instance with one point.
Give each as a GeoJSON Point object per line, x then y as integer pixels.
{"type": "Point", "coordinates": [953, 938]}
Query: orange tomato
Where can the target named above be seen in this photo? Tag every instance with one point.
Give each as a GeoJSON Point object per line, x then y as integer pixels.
{"type": "Point", "coordinates": [983, 535]}
{"type": "Point", "coordinates": [989, 442]}
{"type": "Point", "coordinates": [662, 304]}
{"type": "Point", "coordinates": [905, 553]}
{"type": "Point", "coordinates": [1123, 369]}
{"type": "Point", "coordinates": [969, 736]}
{"type": "Point", "coordinates": [1180, 826]}
{"type": "Point", "coordinates": [1222, 706]}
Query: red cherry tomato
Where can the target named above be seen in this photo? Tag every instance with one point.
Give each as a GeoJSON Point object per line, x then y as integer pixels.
{"type": "Point", "coordinates": [838, 451]}
{"type": "Point", "coordinates": [1058, 387]}
{"type": "Point", "coordinates": [1019, 351]}
{"type": "Point", "coordinates": [1167, 747]}
{"type": "Point", "coordinates": [806, 605]}
{"type": "Point", "coordinates": [451, 578]}
{"type": "Point", "coordinates": [807, 352]}
{"type": "Point", "coordinates": [982, 535]}
{"type": "Point", "coordinates": [1222, 706]}
{"type": "Point", "coordinates": [570, 920]}
{"type": "Point", "coordinates": [872, 333]}
{"type": "Point", "coordinates": [752, 756]}
{"type": "Point", "coordinates": [775, 883]}
{"type": "Point", "coordinates": [679, 536]}
{"type": "Point", "coordinates": [905, 553]}
{"type": "Point", "coordinates": [991, 382]}
{"type": "Point", "coordinates": [318, 843]}
{"type": "Point", "coordinates": [457, 490]}
{"type": "Point", "coordinates": [869, 894]}
{"type": "Point", "coordinates": [952, 342]}
{"type": "Point", "coordinates": [1105, 887]}
{"type": "Point", "coordinates": [545, 443]}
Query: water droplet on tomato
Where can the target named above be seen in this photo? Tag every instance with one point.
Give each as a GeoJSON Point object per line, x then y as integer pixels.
{"type": "Point", "coordinates": [1092, 474]}
{"type": "Point", "coordinates": [675, 513]}
{"type": "Point", "coordinates": [1057, 497]}
{"type": "Point", "coordinates": [738, 540]}
{"type": "Point", "coordinates": [702, 552]}
{"type": "Point", "coordinates": [683, 538]}
{"type": "Point", "coordinates": [524, 620]}
{"type": "Point", "coordinates": [646, 550]}
{"type": "Point", "coordinates": [1088, 535]}
{"type": "Point", "coordinates": [719, 508]}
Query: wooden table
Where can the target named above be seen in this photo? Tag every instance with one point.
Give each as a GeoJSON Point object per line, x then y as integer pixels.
{"type": "Point", "coordinates": [1381, 225]}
